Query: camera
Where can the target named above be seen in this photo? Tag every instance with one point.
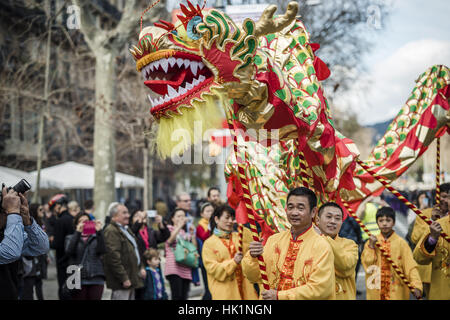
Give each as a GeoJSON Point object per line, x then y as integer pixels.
{"type": "Point", "coordinates": [151, 214]}
{"type": "Point", "coordinates": [21, 187]}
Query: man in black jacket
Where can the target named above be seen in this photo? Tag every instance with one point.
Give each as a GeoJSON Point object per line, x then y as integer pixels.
{"type": "Point", "coordinates": [63, 227]}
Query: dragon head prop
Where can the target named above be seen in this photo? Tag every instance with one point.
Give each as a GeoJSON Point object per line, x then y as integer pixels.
{"type": "Point", "coordinates": [195, 66]}
{"type": "Point", "coordinates": [264, 76]}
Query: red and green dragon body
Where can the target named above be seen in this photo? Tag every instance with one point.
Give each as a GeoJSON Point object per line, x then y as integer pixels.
{"type": "Point", "coordinates": [266, 78]}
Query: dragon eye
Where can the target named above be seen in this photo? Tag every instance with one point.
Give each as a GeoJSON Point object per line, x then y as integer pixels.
{"type": "Point", "coordinates": [192, 28]}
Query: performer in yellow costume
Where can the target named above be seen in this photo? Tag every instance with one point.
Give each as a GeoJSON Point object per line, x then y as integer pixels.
{"type": "Point", "coordinates": [382, 282]}
{"type": "Point", "coordinates": [299, 262]}
{"type": "Point", "coordinates": [222, 260]}
{"type": "Point", "coordinates": [435, 250]}
{"type": "Point", "coordinates": [345, 250]}
{"type": "Point", "coordinates": [421, 228]}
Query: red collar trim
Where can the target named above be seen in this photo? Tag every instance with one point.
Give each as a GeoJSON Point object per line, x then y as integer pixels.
{"type": "Point", "coordinates": [295, 239]}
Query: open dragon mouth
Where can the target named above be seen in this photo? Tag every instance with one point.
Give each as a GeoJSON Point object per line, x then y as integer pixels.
{"type": "Point", "coordinates": [174, 79]}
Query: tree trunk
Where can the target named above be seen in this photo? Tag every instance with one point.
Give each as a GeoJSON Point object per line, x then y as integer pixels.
{"type": "Point", "coordinates": [43, 110]}
{"type": "Point", "coordinates": [104, 149]}
{"type": "Point", "coordinates": [148, 178]}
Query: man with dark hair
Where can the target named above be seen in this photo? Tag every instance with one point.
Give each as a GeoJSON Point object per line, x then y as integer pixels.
{"type": "Point", "coordinates": [19, 235]}
{"type": "Point", "coordinates": [299, 262]}
{"type": "Point", "coordinates": [89, 208]}
{"type": "Point", "coordinates": [63, 227]}
{"type": "Point", "coordinates": [382, 282]}
{"type": "Point", "coordinates": [345, 250]}
{"type": "Point", "coordinates": [214, 196]}
{"type": "Point", "coordinates": [421, 228]}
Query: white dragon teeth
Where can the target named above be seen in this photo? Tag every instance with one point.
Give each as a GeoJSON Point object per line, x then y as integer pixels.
{"type": "Point", "coordinates": [172, 61]}
{"type": "Point", "coordinates": [200, 65]}
{"type": "Point", "coordinates": [182, 90]}
{"type": "Point", "coordinates": [171, 92]}
{"type": "Point", "coordinates": [194, 66]}
{"type": "Point", "coordinates": [164, 64]}
{"type": "Point", "coordinates": [180, 62]}
{"type": "Point", "coordinates": [187, 63]}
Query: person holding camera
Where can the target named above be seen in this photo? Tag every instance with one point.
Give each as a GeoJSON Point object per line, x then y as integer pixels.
{"type": "Point", "coordinates": [19, 235]}
{"type": "Point", "coordinates": [147, 237]}
{"type": "Point", "coordinates": [34, 268]}
{"type": "Point", "coordinates": [178, 275]}
{"type": "Point", "coordinates": [85, 247]}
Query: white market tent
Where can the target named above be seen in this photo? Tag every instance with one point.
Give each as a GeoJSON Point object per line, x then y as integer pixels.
{"type": "Point", "coordinates": [73, 175]}
{"type": "Point", "coordinates": [11, 177]}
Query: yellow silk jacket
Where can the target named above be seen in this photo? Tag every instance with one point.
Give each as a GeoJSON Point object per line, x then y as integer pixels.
{"type": "Point", "coordinates": [299, 269]}
{"type": "Point", "coordinates": [382, 281]}
{"type": "Point", "coordinates": [225, 280]}
{"type": "Point", "coordinates": [440, 262]}
{"type": "Point", "coordinates": [345, 259]}
{"type": "Point", "coordinates": [419, 229]}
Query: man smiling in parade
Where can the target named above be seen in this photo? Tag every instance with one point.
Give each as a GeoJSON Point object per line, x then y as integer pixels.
{"type": "Point", "coordinates": [300, 263]}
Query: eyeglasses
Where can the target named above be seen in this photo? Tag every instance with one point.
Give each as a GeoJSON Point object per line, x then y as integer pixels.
{"type": "Point", "coordinates": [186, 200]}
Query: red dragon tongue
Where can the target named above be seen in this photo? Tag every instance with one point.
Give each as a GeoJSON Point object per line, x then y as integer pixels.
{"type": "Point", "coordinates": [160, 86]}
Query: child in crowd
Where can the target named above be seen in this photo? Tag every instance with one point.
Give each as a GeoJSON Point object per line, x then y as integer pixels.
{"type": "Point", "coordinates": [154, 281]}
{"type": "Point", "coordinates": [382, 281]}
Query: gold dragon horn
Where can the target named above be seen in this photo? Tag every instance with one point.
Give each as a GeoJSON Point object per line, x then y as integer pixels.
{"type": "Point", "coordinates": [266, 24]}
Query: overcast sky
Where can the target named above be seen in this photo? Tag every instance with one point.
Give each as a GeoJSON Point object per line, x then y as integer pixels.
{"type": "Point", "coordinates": [414, 37]}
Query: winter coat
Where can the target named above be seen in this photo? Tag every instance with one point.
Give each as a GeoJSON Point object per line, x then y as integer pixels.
{"type": "Point", "coordinates": [63, 227]}
{"type": "Point", "coordinates": [149, 286]}
{"type": "Point", "coordinates": [93, 262]}
{"type": "Point", "coordinates": [351, 230]}
{"type": "Point", "coordinates": [120, 262]}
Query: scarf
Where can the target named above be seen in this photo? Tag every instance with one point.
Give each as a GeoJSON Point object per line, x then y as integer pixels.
{"type": "Point", "coordinates": [144, 235]}
{"type": "Point", "coordinates": [222, 233]}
